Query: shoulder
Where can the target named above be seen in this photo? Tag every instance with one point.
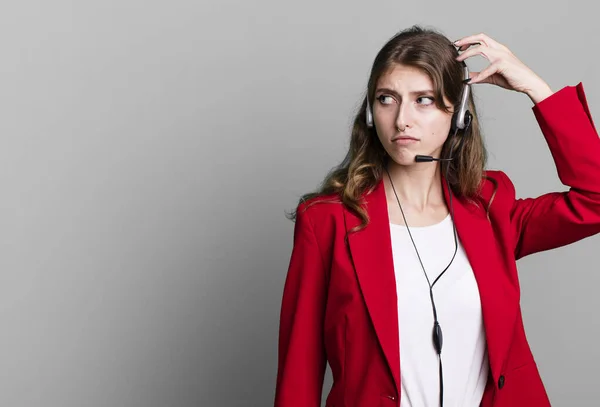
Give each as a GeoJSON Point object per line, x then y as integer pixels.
{"type": "Point", "coordinates": [322, 215]}
{"type": "Point", "coordinates": [497, 186]}
{"type": "Point", "coordinates": [318, 209]}
{"type": "Point", "coordinates": [504, 182]}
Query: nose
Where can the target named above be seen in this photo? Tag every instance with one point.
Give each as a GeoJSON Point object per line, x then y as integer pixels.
{"type": "Point", "coordinates": [404, 117]}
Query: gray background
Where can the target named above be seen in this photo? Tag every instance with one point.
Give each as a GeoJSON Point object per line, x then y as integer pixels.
{"type": "Point", "coordinates": [150, 148]}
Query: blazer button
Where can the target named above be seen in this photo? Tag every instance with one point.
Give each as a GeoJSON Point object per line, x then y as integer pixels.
{"type": "Point", "coordinates": [501, 382]}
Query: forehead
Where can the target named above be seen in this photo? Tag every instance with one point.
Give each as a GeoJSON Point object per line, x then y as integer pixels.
{"type": "Point", "coordinates": [404, 77]}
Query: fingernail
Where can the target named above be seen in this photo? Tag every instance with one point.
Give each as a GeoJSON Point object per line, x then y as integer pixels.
{"type": "Point", "coordinates": [467, 80]}
{"type": "Point", "coordinates": [454, 42]}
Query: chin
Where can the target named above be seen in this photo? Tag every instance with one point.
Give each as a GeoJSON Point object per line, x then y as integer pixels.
{"type": "Point", "coordinates": [404, 158]}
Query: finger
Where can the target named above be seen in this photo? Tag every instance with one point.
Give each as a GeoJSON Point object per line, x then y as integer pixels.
{"type": "Point", "coordinates": [471, 39]}
{"type": "Point", "coordinates": [466, 46]}
{"type": "Point", "coordinates": [481, 38]}
{"type": "Point", "coordinates": [484, 75]}
{"type": "Point", "coordinates": [472, 76]}
{"type": "Point", "coordinates": [482, 50]}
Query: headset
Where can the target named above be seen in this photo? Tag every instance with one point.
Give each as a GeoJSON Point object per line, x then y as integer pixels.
{"type": "Point", "coordinates": [461, 120]}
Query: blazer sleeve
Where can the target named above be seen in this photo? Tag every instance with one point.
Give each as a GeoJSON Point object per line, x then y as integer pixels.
{"type": "Point", "coordinates": [558, 218]}
{"type": "Point", "coordinates": [301, 350]}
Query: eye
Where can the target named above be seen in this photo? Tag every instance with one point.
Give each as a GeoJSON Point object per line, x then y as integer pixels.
{"type": "Point", "coordinates": [429, 100]}
{"type": "Point", "coordinates": [380, 97]}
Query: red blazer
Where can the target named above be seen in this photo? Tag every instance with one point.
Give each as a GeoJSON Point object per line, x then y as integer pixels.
{"type": "Point", "coordinates": [339, 300]}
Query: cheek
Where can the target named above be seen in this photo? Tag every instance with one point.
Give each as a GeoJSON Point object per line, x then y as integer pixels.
{"type": "Point", "coordinates": [384, 118]}
{"type": "Point", "coordinates": [438, 132]}
{"type": "Point", "coordinates": [438, 138]}
{"type": "Point", "coordinates": [439, 128]}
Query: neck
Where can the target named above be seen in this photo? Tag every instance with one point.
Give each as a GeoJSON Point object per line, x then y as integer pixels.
{"type": "Point", "coordinates": [418, 186]}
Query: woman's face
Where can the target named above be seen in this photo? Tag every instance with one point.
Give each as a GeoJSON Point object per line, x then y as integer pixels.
{"type": "Point", "coordinates": [404, 100]}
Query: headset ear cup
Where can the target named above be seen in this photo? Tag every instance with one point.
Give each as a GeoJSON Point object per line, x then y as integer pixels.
{"type": "Point", "coordinates": [369, 114]}
{"type": "Point", "coordinates": [468, 119]}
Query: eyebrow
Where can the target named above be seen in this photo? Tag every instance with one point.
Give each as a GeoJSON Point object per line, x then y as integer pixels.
{"type": "Point", "coordinates": [414, 92]}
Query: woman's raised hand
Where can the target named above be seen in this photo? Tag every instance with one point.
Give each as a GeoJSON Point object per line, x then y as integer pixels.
{"type": "Point", "coordinates": [505, 69]}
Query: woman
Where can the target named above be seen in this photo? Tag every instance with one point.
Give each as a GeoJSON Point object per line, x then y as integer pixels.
{"type": "Point", "coordinates": [403, 273]}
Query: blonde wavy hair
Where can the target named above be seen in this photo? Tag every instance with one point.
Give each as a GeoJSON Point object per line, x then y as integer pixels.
{"type": "Point", "coordinates": [365, 161]}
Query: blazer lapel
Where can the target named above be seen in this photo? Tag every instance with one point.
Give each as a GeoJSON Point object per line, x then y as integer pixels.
{"type": "Point", "coordinates": [371, 252]}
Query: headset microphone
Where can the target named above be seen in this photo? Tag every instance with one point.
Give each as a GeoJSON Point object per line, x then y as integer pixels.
{"type": "Point", "coordinates": [428, 158]}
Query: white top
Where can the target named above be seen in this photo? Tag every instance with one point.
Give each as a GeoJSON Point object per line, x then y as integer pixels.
{"type": "Point", "coordinates": [456, 295]}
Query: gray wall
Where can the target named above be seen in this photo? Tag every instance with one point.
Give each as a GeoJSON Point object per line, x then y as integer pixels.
{"type": "Point", "coordinates": [150, 148]}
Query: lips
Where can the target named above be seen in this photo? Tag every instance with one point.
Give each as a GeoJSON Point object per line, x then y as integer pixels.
{"type": "Point", "coordinates": [404, 139]}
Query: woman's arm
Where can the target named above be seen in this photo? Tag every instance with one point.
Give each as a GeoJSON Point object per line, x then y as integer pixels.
{"type": "Point", "coordinates": [554, 219]}
{"type": "Point", "coordinates": [302, 359]}
{"type": "Point", "coordinates": [559, 218]}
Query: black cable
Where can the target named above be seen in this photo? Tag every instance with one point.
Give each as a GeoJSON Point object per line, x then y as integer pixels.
{"type": "Point", "coordinates": [437, 329]}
